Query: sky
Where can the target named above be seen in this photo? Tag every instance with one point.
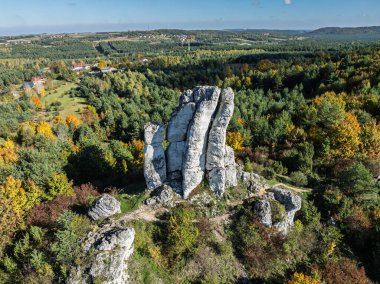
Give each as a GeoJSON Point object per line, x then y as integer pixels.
{"type": "Point", "coordinates": [58, 16]}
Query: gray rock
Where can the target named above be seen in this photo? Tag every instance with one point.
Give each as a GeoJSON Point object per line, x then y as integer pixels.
{"type": "Point", "coordinates": [105, 257]}
{"type": "Point", "coordinates": [175, 154]}
{"type": "Point", "coordinates": [104, 207]}
{"type": "Point", "coordinates": [196, 145]}
{"type": "Point", "coordinates": [197, 137]}
{"type": "Point", "coordinates": [217, 180]}
{"type": "Point", "coordinates": [163, 196]}
{"type": "Point", "coordinates": [154, 155]}
{"type": "Point", "coordinates": [179, 122]}
{"type": "Point", "coordinates": [264, 212]}
{"type": "Point", "coordinates": [230, 164]}
{"type": "Point", "coordinates": [154, 133]}
{"type": "Point", "coordinates": [292, 203]}
{"type": "Point", "coordinates": [254, 182]}
{"type": "Point", "coordinates": [216, 149]}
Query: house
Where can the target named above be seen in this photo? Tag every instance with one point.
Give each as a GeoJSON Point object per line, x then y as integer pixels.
{"type": "Point", "coordinates": [79, 67]}
{"type": "Point", "coordinates": [38, 80]}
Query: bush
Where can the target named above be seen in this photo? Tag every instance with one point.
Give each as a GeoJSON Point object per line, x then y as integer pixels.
{"type": "Point", "coordinates": [299, 178]}
{"type": "Point", "coordinates": [182, 233]}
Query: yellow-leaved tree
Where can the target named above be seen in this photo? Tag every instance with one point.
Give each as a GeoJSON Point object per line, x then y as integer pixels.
{"type": "Point", "coordinates": [300, 278]}
{"type": "Point", "coordinates": [370, 138]}
{"type": "Point", "coordinates": [345, 140]}
{"type": "Point", "coordinates": [235, 140]}
{"type": "Point", "coordinates": [8, 152]}
{"type": "Point", "coordinates": [44, 129]}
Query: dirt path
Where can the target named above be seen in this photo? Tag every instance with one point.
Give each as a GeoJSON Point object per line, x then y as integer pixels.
{"type": "Point", "coordinates": [295, 189]}
{"type": "Point", "coordinates": [150, 214]}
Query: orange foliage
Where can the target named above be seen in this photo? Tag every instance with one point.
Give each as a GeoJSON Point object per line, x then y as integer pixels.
{"type": "Point", "coordinates": [58, 120]}
{"type": "Point", "coordinates": [37, 102]}
{"type": "Point", "coordinates": [136, 147]}
{"type": "Point", "coordinates": [72, 120]}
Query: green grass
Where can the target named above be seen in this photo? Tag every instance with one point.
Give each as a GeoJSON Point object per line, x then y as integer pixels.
{"type": "Point", "coordinates": [130, 203]}
{"type": "Point", "coordinates": [69, 105]}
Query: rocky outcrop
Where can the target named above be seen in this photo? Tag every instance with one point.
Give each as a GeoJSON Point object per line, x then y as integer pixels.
{"type": "Point", "coordinates": [255, 183]}
{"type": "Point", "coordinates": [105, 257]}
{"type": "Point", "coordinates": [154, 155]}
{"type": "Point", "coordinates": [194, 164]}
{"type": "Point", "coordinates": [197, 136]}
{"type": "Point", "coordinates": [216, 149]}
{"type": "Point", "coordinates": [104, 207]}
{"type": "Point", "coordinates": [291, 202]}
{"type": "Point", "coordinates": [162, 196]}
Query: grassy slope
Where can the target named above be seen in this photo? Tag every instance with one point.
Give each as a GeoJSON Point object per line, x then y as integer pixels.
{"type": "Point", "coordinates": [69, 105]}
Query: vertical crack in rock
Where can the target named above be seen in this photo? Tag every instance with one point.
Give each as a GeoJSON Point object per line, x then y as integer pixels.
{"type": "Point", "coordinates": [154, 155]}
{"type": "Point", "coordinates": [216, 150]}
{"type": "Point", "coordinates": [197, 144]}
{"type": "Point", "coordinates": [194, 164]}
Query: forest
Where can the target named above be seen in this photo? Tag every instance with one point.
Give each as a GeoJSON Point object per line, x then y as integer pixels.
{"type": "Point", "coordinates": [306, 114]}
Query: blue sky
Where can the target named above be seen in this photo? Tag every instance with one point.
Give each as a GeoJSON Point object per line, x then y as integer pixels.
{"type": "Point", "coordinates": [36, 16]}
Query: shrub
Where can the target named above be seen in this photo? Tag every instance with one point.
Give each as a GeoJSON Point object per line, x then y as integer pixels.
{"type": "Point", "coordinates": [182, 233]}
{"type": "Point", "coordinates": [299, 178]}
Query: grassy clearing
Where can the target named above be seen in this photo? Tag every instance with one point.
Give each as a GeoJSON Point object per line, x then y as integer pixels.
{"type": "Point", "coordinates": [63, 103]}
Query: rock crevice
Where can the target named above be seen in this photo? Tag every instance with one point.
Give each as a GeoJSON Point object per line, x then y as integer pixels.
{"type": "Point", "coordinates": [197, 144]}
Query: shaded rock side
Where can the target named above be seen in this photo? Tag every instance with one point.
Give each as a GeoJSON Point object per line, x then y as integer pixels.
{"type": "Point", "coordinates": [154, 155]}
{"type": "Point", "coordinates": [105, 257]}
{"type": "Point", "coordinates": [194, 164]}
{"type": "Point", "coordinates": [104, 207]}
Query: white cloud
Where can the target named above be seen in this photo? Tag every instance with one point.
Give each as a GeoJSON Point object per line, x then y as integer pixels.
{"type": "Point", "coordinates": [288, 2]}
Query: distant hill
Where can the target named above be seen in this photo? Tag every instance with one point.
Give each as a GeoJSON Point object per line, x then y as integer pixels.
{"type": "Point", "coordinates": [347, 31]}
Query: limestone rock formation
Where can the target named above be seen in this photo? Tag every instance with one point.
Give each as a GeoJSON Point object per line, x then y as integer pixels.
{"type": "Point", "coordinates": [194, 164]}
{"type": "Point", "coordinates": [291, 202]}
{"type": "Point", "coordinates": [254, 182]}
{"type": "Point", "coordinates": [162, 196]}
{"type": "Point", "coordinates": [197, 136]}
{"type": "Point", "coordinates": [104, 207]}
{"type": "Point", "coordinates": [105, 256]}
{"type": "Point", "coordinates": [154, 155]}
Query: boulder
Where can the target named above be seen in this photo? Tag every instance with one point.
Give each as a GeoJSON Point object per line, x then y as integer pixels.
{"type": "Point", "coordinates": [154, 155]}
{"type": "Point", "coordinates": [105, 257]}
{"type": "Point", "coordinates": [291, 202]}
{"type": "Point", "coordinates": [163, 196]}
{"type": "Point", "coordinates": [264, 212]}
{"type": "Point", "coordinates": [104, 207]}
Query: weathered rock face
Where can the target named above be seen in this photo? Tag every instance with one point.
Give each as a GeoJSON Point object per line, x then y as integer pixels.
{"type": "Point", "coordinates": [105, 257]}
{"type": "Point", "coordinates": [291, 202]}
{"type": "Point", "coordinates": [162, 196]}
{"type": "Point", "coordinates": [197, 136]}
{"type": "Point", "coordinates": [154, 155]}
{"type": "Point", "coordinates": [104, 207]}
{"type": "Point", "coordinates": [194, 164]}
{"type": "Point", "coordinates": [254, 183]}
